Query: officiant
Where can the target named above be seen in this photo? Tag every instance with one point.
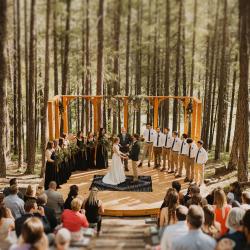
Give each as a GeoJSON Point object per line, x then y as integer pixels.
{"type": "Point", "coordinates": [125, 142]}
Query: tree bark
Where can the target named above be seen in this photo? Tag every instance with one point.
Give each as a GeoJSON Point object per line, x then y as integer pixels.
{"type": "Point", "coordinates": [55, 48]}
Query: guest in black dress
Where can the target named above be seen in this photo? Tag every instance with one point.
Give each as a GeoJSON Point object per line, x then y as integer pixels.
{"type": "Point", "coordinates": [102, 150]}
{"type": "Point", "coordinates": [73, 192]}
{"type": "Point", "coordinates": [91, 150]}
{"type": "Point", "coordinates": [93, 209]}
{"type": "Point", "coordinates": [81, 159]}
{"type": "Point", "coordinates": [50, 169]}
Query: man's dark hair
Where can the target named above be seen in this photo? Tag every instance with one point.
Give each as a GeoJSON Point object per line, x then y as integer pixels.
{"type": "Point", "coordinates": [175, 133]}
{"type": "Point", "coordinates": [185, 136]}
{"type": "Point", "coordinates": [148, 124]}
{"type": "Point", "coordinates": [195, 216]}
{"type": "Point", "coordinates": [167, 129]}
{"type": "Point", "coordinates": [246, 220]}
{"type": "Point", "coordinates": [136, 136]}
{"type": "Point", "coordinates": [13, 181]}
{"type": "Point", "coordinates": [29, 204]}
{"type": "Point", "coordinates": [176, 185]}
{"type": "Point", "coordinates": [181, 213]}
{"type": "Point", "coordinates": [200, 142]}
{"type": "Point", "coordinates": [13, 189]}
{"type": "Point", "coordinates": [189, 140]}
{"type": "Point", "coordinates": [194, 189]}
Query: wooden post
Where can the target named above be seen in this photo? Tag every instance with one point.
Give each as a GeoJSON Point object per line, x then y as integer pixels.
{"type": "Point", "coordinates": [194, 115]}
{"type": "Point", "coordinates": [185, 104]}
{"type": "Point", "coordinates": [156, 105]}
{"type": "Point", "coordinates": [198, 120]}
{"type": "Point", "coordinates": [57, 119]}
{"type": "Point", "coordinates": [96, 122]}
{"type": "Point", "coordinates": [50, 119]}
{"type": "Point", "coordinates": [125, 118]}
{"type": "Point", "coordinates": [65, 115]}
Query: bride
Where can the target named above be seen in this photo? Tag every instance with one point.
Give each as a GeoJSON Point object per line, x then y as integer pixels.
{"type": "Point", "coordinates": [116, 173]}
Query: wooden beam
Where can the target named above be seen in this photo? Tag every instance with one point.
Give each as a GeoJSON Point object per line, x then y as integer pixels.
{"type": "Point", "coordinates": [65, 115]}
{"type": "Point", "coordinates": [156, 105]}
{"type": "Point", "coordinates": [50, 120]}
{"type": "Point", "coordinates": [198, 121]}
{"type": "Point", "coordinates": [125, 116]}
{"type": "Point", "coordinates": [185, 104]}
{"type": "Point", "coordinates": [96, 121]}
{"type": "Point", "coordinates": [194, 115]}
{"type": "Point", "coordinates": [57, 119]}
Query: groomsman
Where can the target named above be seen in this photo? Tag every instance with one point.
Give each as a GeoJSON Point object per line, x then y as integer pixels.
{"type": "Point", "coordinates": [201, 158]}
{"type": "Point", "coordinates": [182, 155]}
{"type": "Point", "coordinates": [190, 160]}
{"type": "Point", "coordinates": [148, 136]}
{"type": "Point", "coordinates": [157, 147]}
{"type": "Point", "coordinates": [166, 150]}
{"type": "Point", "coordinates": [175, 148]}
{"type": "Point", "coordinates": [125, 141]}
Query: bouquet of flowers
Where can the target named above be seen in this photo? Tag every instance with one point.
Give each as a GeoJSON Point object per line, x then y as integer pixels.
{"type": "Point", "coordinates": [59, 158]}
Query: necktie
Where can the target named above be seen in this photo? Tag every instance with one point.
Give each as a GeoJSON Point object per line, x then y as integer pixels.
{"type": "Point", "coordinates": [197, 155]}
{"type": "Point", "coordinates": [173, 143]}
{"type": "Point", "coordinates": [158, 136]}
{"type": "Point", "coordinates": [182, 146]}
{"type": "Point", "coordinates": [189, 152]}
{"type": "Point", "coordinates": [166, 140]}
{"type": "Point", "coordinates": [149, 135]}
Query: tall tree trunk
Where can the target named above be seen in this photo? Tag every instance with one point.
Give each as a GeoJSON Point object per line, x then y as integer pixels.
{"type": "Point", "coordinates": [222, 87]}
{"type": "Point", "coordinates": [85, 91]}
{"type": "Point", "coordinates": [177, 69]}
{"type": "Point", "coordinates": [3, 69]}
{"type": "Point", "coordinates": [232, 106]}
{"type": "Point", "coordinates": [46, 89]}
{"type": "Point", "coordinates": [55, 48]}
{"type": "Point", "coordinates": [66, 50]}
{"type": "Point", "coordinates": [19, 90]}
{"type": "Point", "coordinates": [183, 42]}
{"type": "Point", "coordinates": [99, 80]}
{"type": "Point", "coordinates": [31, 119]}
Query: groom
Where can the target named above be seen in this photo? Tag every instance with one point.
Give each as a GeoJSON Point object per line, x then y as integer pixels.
{"type": "Point", "coordinates": [134, 155]}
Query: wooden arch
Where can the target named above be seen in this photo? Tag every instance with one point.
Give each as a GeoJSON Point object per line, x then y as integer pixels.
{"type": "Point", "coordinates": [61, 102]}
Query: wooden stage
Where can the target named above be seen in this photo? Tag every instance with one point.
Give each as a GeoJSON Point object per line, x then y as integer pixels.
{"type": "Point", "coordinates": [118, 203]}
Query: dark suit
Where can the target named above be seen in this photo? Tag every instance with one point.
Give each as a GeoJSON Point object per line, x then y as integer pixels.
{"type": "Point", "coordinates": [124, 148]}
{"type": "Point", "coordinates": [51, 216]}
{"type": "Point", "coordinates": [134, 156]}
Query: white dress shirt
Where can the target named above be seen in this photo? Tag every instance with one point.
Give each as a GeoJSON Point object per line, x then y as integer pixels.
{"type": "Point", "coordinates": [176, 144]}
{"type": "Point", "coordinates": [172, 232]}
{"type": "Point", "coordinates": [148, 135]}
{"type": "Point", "coordinates": [168, 140]}
{"type": "Point", "coordinates": [191, 151]}
{"type": "Point", "coordinates": [201, 156]}
{"type": "Point", "coordinates": [158, 139]}
{"type": "Point", "coordinates": [184, 148]}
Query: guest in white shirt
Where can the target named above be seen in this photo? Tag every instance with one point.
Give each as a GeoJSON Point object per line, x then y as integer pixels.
{"type": "Point", "coordinates": [166, 150]}
{"type": "Point", "coordinates": [177, 230]}
{"type": "Point", "coordinates": [195, 239]}
{"type": "Point", "coordinates": [176, 146]}
{"type": "Point", "coordinates": [182, 155]}
{"type": "Point", "coordinates": [201, 158]}
{"type": "Point", "coordinates": [148, 136]}
{"type": "Point", "coordinates": [190, 160]}
{"type": "Point", "coordinates": [157, 147]}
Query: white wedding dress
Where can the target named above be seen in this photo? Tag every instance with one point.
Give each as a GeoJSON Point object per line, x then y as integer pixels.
{"type": "Point", "coordinates": [116, 173]}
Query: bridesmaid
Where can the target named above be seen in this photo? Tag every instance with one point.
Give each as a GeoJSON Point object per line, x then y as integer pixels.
{"type": "Point", "coordinates": [102, 150]}
{"type": "Point", "coordinates": [50, 169]}
{"type": "Point", "coordinates": [81, 161]}
{"type": "Point", "coordinates": [91, 150]}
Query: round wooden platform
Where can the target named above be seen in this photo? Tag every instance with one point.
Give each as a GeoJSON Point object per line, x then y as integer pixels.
{"type": "Point", "coordinates": [118, 203]}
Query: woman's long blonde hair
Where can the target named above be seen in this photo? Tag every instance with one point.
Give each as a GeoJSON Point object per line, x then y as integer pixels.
{"type": "Point", "coordinates": [92, 199]}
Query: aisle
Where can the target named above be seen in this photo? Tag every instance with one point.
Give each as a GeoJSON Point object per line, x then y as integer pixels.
{"type": "Point", "coordinates": [120, 234]}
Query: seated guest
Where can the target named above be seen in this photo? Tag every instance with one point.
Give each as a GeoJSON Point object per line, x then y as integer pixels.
{"type": "Point", "coordinates": [197, 199]}
{"type": "Point", "coordinates": [177, 186]}
{"type": "Point", "coordinates": [210, 226]}
{"type": "Point", "coordinates": [235, 191]}
{"type": "Point", "coordinates": [62, 239]}
{"type": "Point", "coordinates": [74, 220]}
{"type": "Point", "coordinates": [39, 190]}
{"type": "Point", "coordinates": [7, 224]}
{"type": "Point", "coordinates": [29, 194]}
{"type": "Point", "coordinates": [73, 192]}
{"type": "Point", "coordinates": [55, 200]}
{"type": "Point", "coordinates": [221, 209]}
{"type": "Point", "coordinates": [6, 190]}
{"type": "Point", "coordinates": [49, 212]}
{"type": "Point", "coordinates": [246, 228]}
{"type": "Point", "coordinates": [177, 230]}
{"type": "Point", "coordinates": [245, 200]}
{"type": "Point", "coordinates": [32, 210]}
{"type": "Point", "coordinates": [192, 189]}
{"type": "Point", "coordinates": [236, 233]}
{"type": "Point", "coordinates": [195, 239]}
{"type": "Point", "coordinates": [32, 236]}
{"type": "Point", "coordinates": [93, 209]}
{"type": "Point", "coordinates": [168, 213]}
{"type": "Point", "coordinates": [14, 203]}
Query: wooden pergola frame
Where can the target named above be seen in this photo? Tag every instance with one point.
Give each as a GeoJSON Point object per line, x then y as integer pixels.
{"type": "Point", "coordinates": [54, 112]}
